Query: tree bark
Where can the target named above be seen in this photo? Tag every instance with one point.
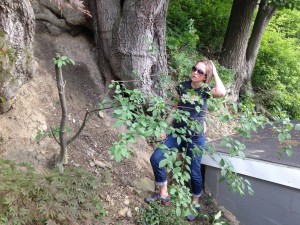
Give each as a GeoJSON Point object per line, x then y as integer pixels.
{"type": "Point", "coordinates": [17, 21]}
{"type": "Point", "coordinates": [130, 36]}
{"type": "Point", "coordinates": [241, 44]}
{"type": "Point", "coordinates": [63, 155]}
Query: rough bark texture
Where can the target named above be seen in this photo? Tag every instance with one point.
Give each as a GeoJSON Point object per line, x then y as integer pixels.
{"type": "Point", "coordinates": [17, 21]}
{"type": "Point", "coordinates": [241, 44]}
{"type": "Point", "coordinates": [130, 36]}
{"type": "Point", "coordinates": [236, 41]}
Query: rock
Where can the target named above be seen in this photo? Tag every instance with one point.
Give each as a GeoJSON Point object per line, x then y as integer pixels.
{"type": "Point", "coordinates": [144, 184]}
{"type": "Point", "coordinates": [108, 199]}
{"type": "Point", "coordinates": [72, 16]}
{"type": "Point", "coordinates": [129, 213]}
{"type": "Point", "coordinates": [101, 114]}
{"type": "Point", "coordinates": [100, 164]}
{"type": "Point", "coordinates": [123, 212]}
{"type": "Point", "coordinates": [43, 151]}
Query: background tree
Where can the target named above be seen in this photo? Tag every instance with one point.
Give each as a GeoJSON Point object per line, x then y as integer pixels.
{"type": "Point", "coordinates": [242, 40]}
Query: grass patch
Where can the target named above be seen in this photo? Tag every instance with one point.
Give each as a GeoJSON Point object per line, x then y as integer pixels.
{"type": "Point", "coordinates": [28, 197]}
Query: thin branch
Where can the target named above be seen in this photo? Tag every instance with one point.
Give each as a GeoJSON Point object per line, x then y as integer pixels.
{"type": "Point", "coordinates": [84, 122]}
{"type": "Point", "coordinates": [54, 136]}
{"type": "Point", "coordinates": [80, 129]}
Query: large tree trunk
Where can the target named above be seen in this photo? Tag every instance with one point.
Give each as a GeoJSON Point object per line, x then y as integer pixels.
{"type": "Point", "coordinates": [17, 22]}
{"type": "Point", "coordinates": [241, 44]}
{"type": "Point", "coordinates": [130, 36]}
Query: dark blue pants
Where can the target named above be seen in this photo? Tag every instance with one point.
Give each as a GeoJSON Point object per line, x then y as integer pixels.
{"type": "Point", "coordinates": [195, 167]}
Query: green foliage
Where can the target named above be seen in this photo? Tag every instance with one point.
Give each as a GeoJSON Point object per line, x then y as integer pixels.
{"type": "Point", "coordinates": [193, 27]}
{"type": "Point", "coordinates": [286, 4]}
{"type": "Point", "coordinates": [276, 75]}
{"type": "Point", "coordinates": [156, 214]}
{"type": "Point", "coordinates": [27, 197]}
{"type": "Point", "coordinates": [52, 132]}
{"type": "Point", "coordinates": [217, 219]}
{"type": "Point", "coordinates": [234, 182]}
{"type": "Point", "coordinates": [283, 127]}
{"type": "Point", "coordinates": [63, 60]}
{"type": "Point", "coordinates": [7, 61]}
{"type": "Point", "coordinates": [210, 20]}
{"type": "Point", "coordinates": [150, 122]}
{"type": "Point", "coordinates": [7, 53]}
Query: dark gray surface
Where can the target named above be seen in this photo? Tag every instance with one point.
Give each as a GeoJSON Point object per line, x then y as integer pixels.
{"type": "Point", "coordinates": [264, 145]}
{"type": "Point", "coordinates": [272, 204]}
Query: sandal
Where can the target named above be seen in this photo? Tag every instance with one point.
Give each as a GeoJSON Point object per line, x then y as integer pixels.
{"type": "Point", "coordinates": [157, 198]}
{"type": "Point", "coordinates": [191, 217]}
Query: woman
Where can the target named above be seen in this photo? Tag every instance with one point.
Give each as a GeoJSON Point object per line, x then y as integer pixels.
{"type": "Point", "coordinates": [192, 96]}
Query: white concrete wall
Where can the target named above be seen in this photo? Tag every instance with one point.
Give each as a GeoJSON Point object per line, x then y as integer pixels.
{"type": "Point", "coordinates": [272, 203]}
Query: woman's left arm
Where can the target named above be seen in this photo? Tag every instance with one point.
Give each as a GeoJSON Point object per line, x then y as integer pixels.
{"type": "Point", "coordinates": [218, 90]}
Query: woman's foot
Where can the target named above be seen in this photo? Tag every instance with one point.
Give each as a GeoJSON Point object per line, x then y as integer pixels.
{"type": "Point", "coordinates": [157, 198]}
{"type": "Point", "coordinates": [191, 217]}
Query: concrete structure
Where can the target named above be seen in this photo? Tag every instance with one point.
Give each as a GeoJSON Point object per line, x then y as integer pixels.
{"type": "Point", "coordinates": [275, 181]}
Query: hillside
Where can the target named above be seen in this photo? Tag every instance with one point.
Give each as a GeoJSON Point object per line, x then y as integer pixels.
{"type": "Point", "coordinates": [37, 106]}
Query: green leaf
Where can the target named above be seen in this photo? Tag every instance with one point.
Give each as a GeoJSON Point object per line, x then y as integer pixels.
{"type": "Point", "coordinates": [59, 63]}
{"type": "Point", "coordinates": [163, 163]}
{"type": "Point", "coordinates": [118, 112]}
{"type": "Point", "coordinates": [218, 215]}
{"type": "Point", "coordinates": [281, 137]}
{"type": "Point", "coordinates": [178, 140]}
{"type": "Point", "coordinates": [297, 126]}
{"type": "Point", "coordinates": [289, 152]}
{"type": "Point", "coordinates": [64, 57]}
{"type": "Point", "coordinates": [222, 162]}
{"type": "Point", "coordinates": [38, 135]}
{"type": "Point", "coordinates": [178, 163]}
{"type": "Point", "coordinates": [178, 211]}
{"type": "Point", "coordinates": [72, 61]}
{"type": "Point", "coordinates": [118, 123]}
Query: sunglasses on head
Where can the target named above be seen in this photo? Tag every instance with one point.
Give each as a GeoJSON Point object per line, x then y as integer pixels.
{"type": "Point", "coordinates": [199, 71]}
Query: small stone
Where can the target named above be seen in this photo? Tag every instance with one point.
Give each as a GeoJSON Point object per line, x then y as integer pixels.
{"type": "Point", "coordinates": [123, 212]}
{"type": "Point", "coordinates": [92, 164]}
{"type": "Point", "coordinates": [100, 164]}
{"type": "Point", "coordinates": [129, 213]}
{"type": "Point", "coordinates": [74, 121]}
{"type": "Point", "coordinates": [101, 114]}
{"type": "Point", "coordinates": [126, 202]}
{"type": "Point", "coordinates": [108, 198]}
{"type": "Point", "coordinates": [43, 151]}
{"type": "Point", "coordinates": [108, 165]}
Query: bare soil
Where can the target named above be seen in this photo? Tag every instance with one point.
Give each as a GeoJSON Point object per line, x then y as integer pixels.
{"type": "Point", "coordinates": [37, 107]}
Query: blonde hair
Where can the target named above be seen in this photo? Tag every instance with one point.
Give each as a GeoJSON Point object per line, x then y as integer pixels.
{"type": "Point", "coordinates": [209, 69]}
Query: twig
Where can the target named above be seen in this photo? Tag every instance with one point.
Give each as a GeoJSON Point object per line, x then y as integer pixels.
{"type": "Point", "coordinates": [54, 136]}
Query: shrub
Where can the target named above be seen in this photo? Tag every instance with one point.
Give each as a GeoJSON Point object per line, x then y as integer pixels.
{"type": "Point", "coordinates": [276, 75]}
{"type": "Point", "coordinates": [28, 197]}
{"type": "Point", "coordinates": [156, 214]}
